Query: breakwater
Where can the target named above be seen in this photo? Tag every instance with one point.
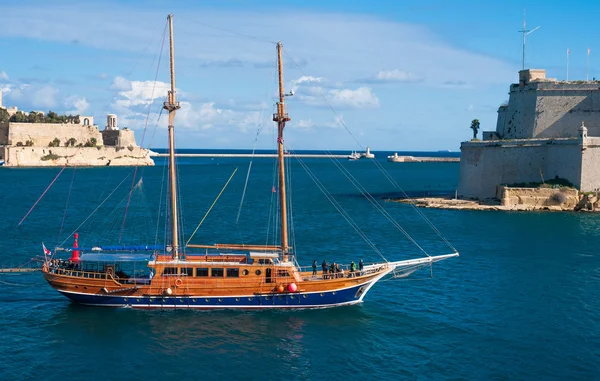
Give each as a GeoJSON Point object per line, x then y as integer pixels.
{"type": "Point", "coordinates": [299, 156]}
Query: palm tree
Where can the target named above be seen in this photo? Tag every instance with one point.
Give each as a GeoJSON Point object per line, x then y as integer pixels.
{"type": "Point", "coordinates": [475, 127]}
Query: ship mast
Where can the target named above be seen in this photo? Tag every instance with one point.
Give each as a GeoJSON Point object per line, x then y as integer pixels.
{"type": "Point", "coordinates": [171, 105]}
{"type": "Point", "coordinates": [281, 117]}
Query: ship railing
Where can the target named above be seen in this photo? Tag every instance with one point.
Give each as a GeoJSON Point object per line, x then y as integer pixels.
{"type": "Point", "coordinates": [307, 272]}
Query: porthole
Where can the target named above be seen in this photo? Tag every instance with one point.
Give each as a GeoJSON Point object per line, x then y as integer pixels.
{"type": "Point", "coordinates": [304, 296]}
{"type": "Point", "coordinates": [76, 286]}
{"type": "Point", "coordinates": [85, 287]}
{"type": "Point", "coordinates": [125, 299]}
{"type": "Point", "coordinates": [245, 272]}
{"type": "Point", "coordinates": [194, 300]}
{"type": "Point", "coordinates": [137, 300]}
{"type": "Point", "coordinates": [206, 300]}
{"type": "Point", "coordinates": [292, 297]}
{"type": "Point", "coordinates": [258, 272]}
{"type": "Point", "coordinates": [322, 294]}
{"type": "Point", "coordinates": [333, 293]}
{"type": "Point", "coordinates": [220, 300]}
{"type": "Point", "coordinates": [250, 299]}
{"type": "Point", "coordinates": [181, 300]}
{"type": "Point", "coordinates": [237, 299]}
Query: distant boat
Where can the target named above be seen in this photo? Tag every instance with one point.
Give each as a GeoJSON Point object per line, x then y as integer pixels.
{"type": "Point", "coordinates": [354, 156]}
{"type": "Point", "coordinates": [1, 163]}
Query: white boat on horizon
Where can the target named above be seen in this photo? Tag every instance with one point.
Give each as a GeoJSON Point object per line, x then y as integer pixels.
{"type": "Point", "coordinates": [354, 156]}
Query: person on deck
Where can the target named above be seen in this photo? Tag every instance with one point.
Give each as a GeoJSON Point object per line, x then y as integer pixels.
{"type": "Point", "coordinates": [314, 266]}
{"type": "Point", "coordinates": [352, 269]}
{"type": "Point", "coordinates": [324, 266]}
{"type": "Point", "coordinates": [361, 266]}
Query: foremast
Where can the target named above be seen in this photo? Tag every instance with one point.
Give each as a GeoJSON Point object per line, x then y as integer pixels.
{"type": "Point", "coordinates": [171, 105]}
{"type": "Point", "coordinates": [281, 117]}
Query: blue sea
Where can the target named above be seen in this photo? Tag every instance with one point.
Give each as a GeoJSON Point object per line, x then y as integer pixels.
{"type": "Point", "coordinates": [521, 302]}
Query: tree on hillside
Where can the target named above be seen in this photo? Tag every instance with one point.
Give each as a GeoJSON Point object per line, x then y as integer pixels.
{"type": "Point", "coordinates": [475, 127]}
{"type": "Point", "coordinates": [19, 117]}
{"type": "Point", "coordinates": [35, 117]}
{"type": "Point", "coordinates": [4, 117]}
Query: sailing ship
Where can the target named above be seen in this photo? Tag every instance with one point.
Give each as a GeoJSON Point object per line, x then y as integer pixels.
{"type": "Point", "coordinates": [219, 275]}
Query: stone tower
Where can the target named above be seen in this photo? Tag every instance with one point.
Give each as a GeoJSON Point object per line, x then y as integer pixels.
{"type": "Point", "coordinates": [111, 122]}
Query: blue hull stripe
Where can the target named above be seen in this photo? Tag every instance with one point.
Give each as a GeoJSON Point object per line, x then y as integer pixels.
{"type": "Point", "coordinates": [346, 296]}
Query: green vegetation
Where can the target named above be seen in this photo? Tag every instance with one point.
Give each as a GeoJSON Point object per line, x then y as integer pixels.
{"type": "Point", "coordinates": [29, 143]}
{"type": "Point", "coordinates": [50, 156]}
{"type": "Point", "coordinates": [91, 143]}
{"type": "Point", "coordinates": [556, 182]}
{"type": "Point", "coordinates": [71, 142]}
{"type": "Point", "coordinates": [19, 144]}
{"type": "Point", "coordinates": [38, 117]}
{"type": "Point", "coordinates": [54, 143]}
{"type": "Point", "coordinates": [475, 127]}
{"type": "Point", "coordinates": [4, 117]}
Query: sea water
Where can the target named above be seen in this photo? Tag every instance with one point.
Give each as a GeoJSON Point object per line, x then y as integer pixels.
{"type": "Point", "coordinates": [521, 302]}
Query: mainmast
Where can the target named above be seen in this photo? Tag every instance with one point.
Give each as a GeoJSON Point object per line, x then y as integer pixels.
{"type": "Point", "coordinates": [281, 117]}
{"type": "Point", "coordinates": [172, 106]}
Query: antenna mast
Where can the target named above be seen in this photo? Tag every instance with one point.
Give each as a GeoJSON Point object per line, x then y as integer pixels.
{"type": "Point", "coordinates": [525, 32]}
{"type": "Point", "coordinates": [281, 117]}
{"type": "Point", "coordinates": [171, 105]}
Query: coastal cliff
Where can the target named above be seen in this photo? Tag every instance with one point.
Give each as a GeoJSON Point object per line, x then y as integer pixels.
{"type": "Point", "coordinates": [74, 156]}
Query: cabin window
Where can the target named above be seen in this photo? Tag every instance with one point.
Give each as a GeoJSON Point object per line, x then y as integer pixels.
{"type": "Point", "coordinates": [216, 272]}
{"type": "Point", "coordinates": [263, 261]}
{"type": "Point", "coordinates": [233, 273]}
{"type": "Point", "coordinates": [282, 273]}
{"type": "Point", "coordinates": [169, 271]}
{"type": "Point", "coordinates": [202, 271]}
{"type": "Point", "coordinates": [187, 271]}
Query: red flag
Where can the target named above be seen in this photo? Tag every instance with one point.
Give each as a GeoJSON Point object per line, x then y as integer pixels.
{"type": "Point", "coordinates": [46, 251]}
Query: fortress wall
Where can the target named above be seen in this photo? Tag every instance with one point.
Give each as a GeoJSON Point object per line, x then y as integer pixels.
{"type": "Point", "coordinates": [520, 114]}
{"type": "Point", "coordinates": [550, 110]}
{"type": "Point", "coordinates": [43, 133]}
{"type": "Point", "coordinates": [485, 165]}
{"type": "Point", "coordinates": [590, 159]}
{"type": "Point", "coordinates": [121, 138]}
{"type": "Point", "coordinates": [3, 133]}
{"type": "Point", "coordinates": [84, 156]}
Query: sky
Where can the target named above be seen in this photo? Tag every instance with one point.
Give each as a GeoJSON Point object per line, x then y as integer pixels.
{"type": "Point", "coordinates": [392, 75]}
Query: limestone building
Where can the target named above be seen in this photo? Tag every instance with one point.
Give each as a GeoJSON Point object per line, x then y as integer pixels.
{"type": "Point", "coordinates": [77, 142]}
{"type": "Point", "coordinates": [548, 129]}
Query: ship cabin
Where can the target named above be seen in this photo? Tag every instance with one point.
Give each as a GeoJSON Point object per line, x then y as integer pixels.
{"type": "Point", "coordinates": [254, 267]}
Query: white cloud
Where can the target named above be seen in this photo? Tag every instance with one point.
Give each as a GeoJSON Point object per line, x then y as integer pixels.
{"type": "Point", "coordinates": [138, 93]}
{"type": "Point", "coordinates": [362, 97]}
{"type": "Point", "coordinates": [43, 97]}
{"type": "Point", "coordinates": [303, 123]}
{"type": "Point", "coordinates": [79, 104]}
{"type": "Point", "coordinates": [389, 76]}
{"type": "Point", "coordinates": [471, 108]}
{"type": "Point", "coordinates": [3, 76]}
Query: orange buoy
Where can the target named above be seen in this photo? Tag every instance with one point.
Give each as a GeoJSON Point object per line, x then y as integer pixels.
{"type": "Point", "coordinates": [292, 287]}
{"type": "Point", "coordinates": [280, 288]}
{"type": "Point", "coordinates": [178, 282]}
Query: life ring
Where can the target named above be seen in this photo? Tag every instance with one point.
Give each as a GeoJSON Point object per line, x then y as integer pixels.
{"type": "Point", "coordinates": [178, 282]}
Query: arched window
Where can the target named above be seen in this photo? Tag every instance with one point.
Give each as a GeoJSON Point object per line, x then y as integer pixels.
{"type": "Point", "coordinates": [86, 122]}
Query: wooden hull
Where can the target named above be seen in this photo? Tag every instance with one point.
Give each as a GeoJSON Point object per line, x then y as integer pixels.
{"type": "Point", "coordinates": [311, 294]}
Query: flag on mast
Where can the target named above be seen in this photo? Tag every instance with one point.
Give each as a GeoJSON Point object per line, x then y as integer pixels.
{"type": "Point", "coordinates": [46, 251]}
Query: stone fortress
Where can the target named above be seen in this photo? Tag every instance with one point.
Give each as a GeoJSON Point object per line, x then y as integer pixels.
{"type": "Point", "coordinates": [549, 129]}
{"type": "Point", "coordinates": [76, 143]}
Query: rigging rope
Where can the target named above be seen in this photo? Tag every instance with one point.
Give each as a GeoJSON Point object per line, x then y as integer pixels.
{"type": "Point", "coordinates": [339, 208]}
{"type": "Point", "coordinates": [144, 133]}
{"type": "Point", "coordinates": [229, 31]}
{"type": "Point", "coordinates": [377, 164]}
{"type": "Point", "coordinates": [95, 210]}
{"type": "Point", "coordinates": [213, 204]}
{"type": "Point", "coordinates": [39, 199]}
{"type": "Point", "coordinates": [259, 129]}
{"type": "Point", "coordinates": [62, 224]}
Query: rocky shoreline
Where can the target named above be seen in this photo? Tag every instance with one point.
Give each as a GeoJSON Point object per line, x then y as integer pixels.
{"type": "Point", "coordinates": [586, 202]}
